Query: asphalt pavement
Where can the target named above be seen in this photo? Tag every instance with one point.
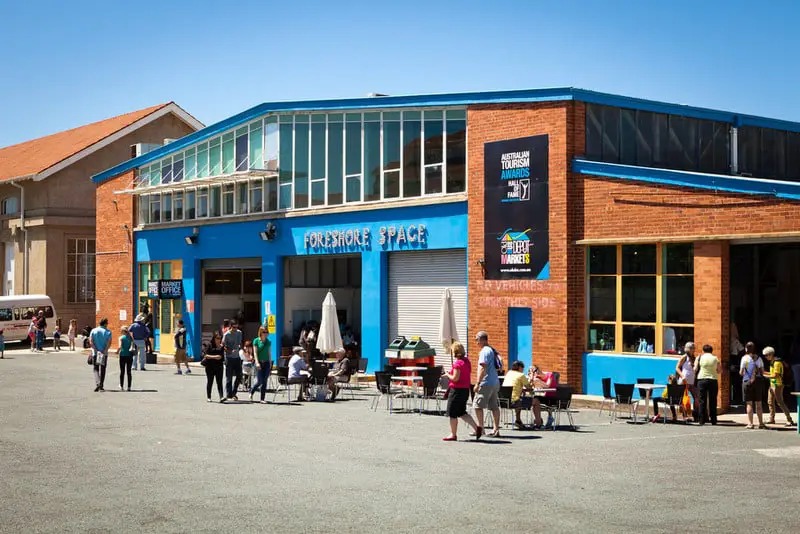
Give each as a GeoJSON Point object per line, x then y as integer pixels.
{"type": "Point", "coordinates": [162, 459]}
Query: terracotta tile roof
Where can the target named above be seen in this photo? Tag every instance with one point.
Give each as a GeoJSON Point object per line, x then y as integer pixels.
{"type": "Point", "coordinates": [37, 155]}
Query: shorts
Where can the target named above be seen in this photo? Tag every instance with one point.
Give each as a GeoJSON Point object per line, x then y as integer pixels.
{"type": "Point", "coordinates": [524, 403]}
{"type": "Point", "coordinates": [457, 402]}
{"type": "Point", "coordinates": [751, 391]}
{"type": "Point", "coordinates": [180, 355]}
{"type": "Point", "coordinates": [487, 398]}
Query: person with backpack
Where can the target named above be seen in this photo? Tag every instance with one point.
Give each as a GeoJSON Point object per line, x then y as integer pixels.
{"type": "Point", "coordinates": [780, 375]}
{"type": "Point", "coordinates": [487, 385]}
{"type": "Point", "coordinates": [751, 370]}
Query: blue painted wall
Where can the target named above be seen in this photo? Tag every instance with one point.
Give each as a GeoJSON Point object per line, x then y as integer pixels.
{"type": "Point", "coordinates": [445, 228]}
{"type": "Point", "coordinates": [623, 369]}
{"type": "Point", "coordinates": [520, 335]}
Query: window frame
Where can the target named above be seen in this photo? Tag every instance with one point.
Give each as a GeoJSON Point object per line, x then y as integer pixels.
{"type": "Point", "coordinates": [661, 277]}
{"type": "Point", "coordinates": [89, 277]}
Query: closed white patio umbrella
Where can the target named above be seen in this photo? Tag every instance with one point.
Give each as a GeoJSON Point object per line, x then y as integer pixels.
{"type": "Point", "coordinates": [447, 322]}
{"type": "Point", "coordinates": [330, 338]}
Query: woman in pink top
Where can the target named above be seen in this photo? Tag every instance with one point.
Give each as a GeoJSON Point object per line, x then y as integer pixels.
{"type": "Point", "coordinates": [458, 393]}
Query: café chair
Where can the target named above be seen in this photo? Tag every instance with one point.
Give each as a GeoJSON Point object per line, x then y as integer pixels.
{"type": "Point", "coordinates": [623, 396]}
{"type": "Point", "coordinates": [607, 396]}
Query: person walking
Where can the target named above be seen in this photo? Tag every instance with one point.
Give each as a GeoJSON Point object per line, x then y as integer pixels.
{"type": "Point", "coordinates": [41, 329]}
{"type": "Point", "coordinates": [231, 345]}
{"type": "Point", "coordinates": [487, 385]}
{"type": "Point", "coordinates": [776, 376]}
{"type": "Point", "coordinates": [148, 322]}
{"type": "Point", "coordinates": [125, 349]}
{"type": "Point", "coordinates": [458, 393]}
{"type": "Point", "coordinates": [707, 369]}
{"type": "Point", "coordinates": [212, 361]}
{"type": "Point", "coordinates": [140, 333]}
{"type": "Point", "coordinates": [261, 348]}
{"type": "Point", "coordinates": [751, 368]}
{"type": "Point", "coordinates": [72, 332]}
{"type": "Point", "coordinates": [32, 333]}
{"type": "Point", "coordinates": [686, 374]}
{"type": "Point", "coordinates": [100, 341]}
{"type": "Point", "coordinates": [180, 349]}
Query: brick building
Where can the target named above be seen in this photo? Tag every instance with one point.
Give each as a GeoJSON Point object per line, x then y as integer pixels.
{"type": "Point", "coordinates": [47, 206]}
{"type": "Point", "coordinates": [589, 233]}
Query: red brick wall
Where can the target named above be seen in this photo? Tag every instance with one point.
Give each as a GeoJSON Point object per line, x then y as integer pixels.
{"type": "Point", "coordinates": [489, 300]}
{"type": "Point", "coordinates": [115, 252]}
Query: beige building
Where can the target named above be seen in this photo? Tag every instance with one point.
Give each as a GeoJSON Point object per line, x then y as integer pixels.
{"type": "Point", "coordinates": [47, 203]}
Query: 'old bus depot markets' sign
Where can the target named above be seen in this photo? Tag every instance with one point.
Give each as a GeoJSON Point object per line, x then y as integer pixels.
{"type": "Point", "coordinates": [164, 289]}
{"type": "Point", "coordinates": [349, 238]}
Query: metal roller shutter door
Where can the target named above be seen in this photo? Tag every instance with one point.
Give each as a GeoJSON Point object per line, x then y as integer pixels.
{"type": "Point", "coordinates": [416, 283]}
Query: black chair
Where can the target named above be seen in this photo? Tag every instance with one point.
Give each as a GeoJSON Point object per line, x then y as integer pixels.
{"type": "Point", "coordinates": [430, 387]}
{"type": "Point", "coordinates": [283, 361]}
{"type": "Point", "coordinates": [607, 396]}
{"type": "Point", "coordinates": [623, 396]}
{"type": "Point", "coordinates": [319, 376]}
{"type": "Point", "coordinates": [643, 392]}
{"type": "Point", "coordinates": [561, 404]}
{"type": "Point", "coordinates": [383, 382]}
{"type": "Point", "coordinates": [504, 396]}
{"type": "Point", "coordinates": [391, 369]}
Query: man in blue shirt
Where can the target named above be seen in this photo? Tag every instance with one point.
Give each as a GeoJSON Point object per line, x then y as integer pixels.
{"type": "Point", "coordinates": [487, 385]}
{"type": "Point", "coordinates": [140, 334]}
{"type": "Point", "coordinates": [100, 341]}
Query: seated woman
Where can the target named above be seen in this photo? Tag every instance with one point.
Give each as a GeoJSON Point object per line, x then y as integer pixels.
{"type": "Point", "coordinates": [340, 373]}
{"type": "Point", "coordinates": [672, 380]}
{"type": "Point", "coordinates": [544, 380]}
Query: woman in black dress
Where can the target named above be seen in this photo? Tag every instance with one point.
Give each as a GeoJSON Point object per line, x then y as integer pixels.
{"type": "Point", "coordinates": [213, 362]}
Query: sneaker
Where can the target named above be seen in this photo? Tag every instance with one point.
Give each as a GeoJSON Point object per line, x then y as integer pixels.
{"type": "Point", "coordinates": [251, 397]}
{"type": "Point", "coordinates": [188, 371]}
{"type": "Point", "coordinates": [129, 388]}
{"type": "Point", "coordinates": [655, 419]}
{"type": "Point", "coordinates": [121, 388]}
{"type": "Point", "coordinates": [102, 388]}
{"type": "Point", "coordinates": [96, 389]}
{"type": "Point", "coordinates": [209, 400]}
{"type": "Point", "coordinates": [179, 372]}
{"type": "Point", "coordinates": [143, 369]}
{"type": "Point", "coordinates": [263, 402]}
{"type": "Point", "coordinates": [771, 422]}
{"type": "Point", "coordinates": [222, 400]}
{"type": "Point", "coordinates": [236, 398]}
{"type": "Point", "coordinates": [789, 423]}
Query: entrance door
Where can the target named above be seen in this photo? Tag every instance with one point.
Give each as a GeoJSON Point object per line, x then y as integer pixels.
{"type": "Point", "coordinates": [520, 334]}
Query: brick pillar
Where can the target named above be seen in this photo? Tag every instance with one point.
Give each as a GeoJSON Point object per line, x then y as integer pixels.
{"type": "Point", "coordinates": [712, 306]}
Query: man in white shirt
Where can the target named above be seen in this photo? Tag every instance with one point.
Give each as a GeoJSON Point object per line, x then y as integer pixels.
{"type": "Point", "coordinates": [298, 371]}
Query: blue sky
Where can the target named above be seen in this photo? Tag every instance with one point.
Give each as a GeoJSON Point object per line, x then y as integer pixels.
{"type": "Point", "coordinates": [63, 64]}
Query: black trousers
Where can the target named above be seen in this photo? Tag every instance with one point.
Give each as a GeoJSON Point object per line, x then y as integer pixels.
{"type": "Point", "coordinates": [125, 365]}
{"type": "Point", "coordinates": [214, 372]}
{"type": "Point", "coordinates": [709, 388]}
{"type": "Point", "coordinates": [233, 368]}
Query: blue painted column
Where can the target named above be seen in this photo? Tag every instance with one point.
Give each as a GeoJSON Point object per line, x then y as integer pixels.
{"type": "Point", "coordinates": [374, 308]}
{"type": "Point", "coordinates": [272, 292]}
{"type": "Point", "coordinates": [192, 279]}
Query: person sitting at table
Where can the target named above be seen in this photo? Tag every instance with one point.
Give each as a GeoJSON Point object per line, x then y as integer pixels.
{"type": "Point", "coordinates": [298, 371]}
{"type": "Point", "coordinates": [671, 380]}
{"type": "Point", "coordinates": [340, 372]}
{"type": "Point", "coordinates": [544, 380]}
{"type": "Point", "coordinates": [519, 383]}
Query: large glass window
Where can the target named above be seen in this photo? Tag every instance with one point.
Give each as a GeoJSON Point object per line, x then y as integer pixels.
{"type": "Point", "coordinates": [166, 207]}
{"type": "Point", "coordinates": [318, 146]}
{"type": "Point", "coordinates": [190, 171]}
{"type": "Point", "coordinates": [372, 157]}
{"type": "Point", "coordinates": [202, 160]}
{"type": "Point", "coordinates": [353, 157]}
{"type": "Point", "coordinates": [640, 298]}
{"type": "Point", "coordinates": [228, 151]}
{"type": "Point", "coordinates": [190, 204]}
{"type": "Point", "coordinates": [228, 199]}
{"type": "Point", "coordinates": [456, 152]}
{"type": "Point", "coordinates": [242, 198]}
{"type": "Point", "coordinates": [202, 202]}
{"type": "Point", "coordinates": [80, 270]}
{"type": "Point", "coordinates": [391, 154]}
{"type": "Point", "coordinates": [166, 171]}
{"type": "Point", "coordinates": [177, 169]}
{"type": "Point", "coordinates": [647, 139]}
{"type": "Point", "coordinates": [433, 151]}
{"type": "Point", "coordinates": [412, 158]}
{"type": "Point", "coordinates": [215, 201]}
{"type": "Point", "coordinates": [286, 162]}
{"type": "Point", "coordinates": [301, 155]}
{"type": "Point", "coordinates": [177, 204]}
{"type": "Point", "coordinates": [271, 144]}
{"type": "Point", "coordinates": [256, 196]}
{"type": "Point", "coordinates": [335, 159]}
{"type": "Point", "coordinates": [215, 157]}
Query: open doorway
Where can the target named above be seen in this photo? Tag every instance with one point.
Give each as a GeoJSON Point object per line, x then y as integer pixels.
{"type": "Point", "coordinates": [307, 280]}
{"type": "Point", "coordinates": [231, 290]}
{"type": "Point", "coordinates": [765, 300]}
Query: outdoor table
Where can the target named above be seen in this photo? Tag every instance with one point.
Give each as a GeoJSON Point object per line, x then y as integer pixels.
{"type": "Point", "coordinates": [797, 394]}
{"type": "Point", "coordinates": [542, 391]}
{"type": "Point", "coordinates": [412, 368]}
{"type": "Point", "coordinates": [648, 389]}
{"type": "Point", "coordinates": [414, 380]}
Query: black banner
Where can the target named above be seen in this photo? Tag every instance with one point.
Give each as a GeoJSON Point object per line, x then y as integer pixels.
{"type": "Point", "coordinates": [170, 289]}
{"type": "Point", "coordinates": [516, 209]}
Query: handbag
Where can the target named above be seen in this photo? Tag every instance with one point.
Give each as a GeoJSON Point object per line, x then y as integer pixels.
{"type": "Point", "coordinates": [204, 362]}
{"type": "Point", "coordinates": [686, 402]}
{"type": "Point", "coordinates": [90, 359]}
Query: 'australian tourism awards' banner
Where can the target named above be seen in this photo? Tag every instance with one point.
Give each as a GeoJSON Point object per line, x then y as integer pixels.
{"type": "Point", "coordinates": [516, 239]}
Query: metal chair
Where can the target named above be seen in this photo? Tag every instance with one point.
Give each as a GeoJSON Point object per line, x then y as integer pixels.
{"type": "Point", "coordinates": [430, 387]}
{"type": "Point", "coordinates": [283, 380]}
{"type": "Point", "coordinates": [347, 384]}
{"type": "Point", "coordinates": [607, 396]}
{"type": "Point", "coordinates": [319, 377]}
{"type": "Point", "coordinates": [623, 396]}
{"type": "Point", "coordinates": [561, 404]}
{"type": "Point", "coordinates": [504, 395]}
{"type": "Point", "coordinates": [673, 400]}
{"type": "Point", "coordinates": [361, 371]}
{"type": "Point", "coordinates": [383, 382]}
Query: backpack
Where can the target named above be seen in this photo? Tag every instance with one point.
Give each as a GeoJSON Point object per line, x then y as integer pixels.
{"type": "Point", "coordinates": [787, 376]}
{"type": "Point", "coordinates": [498, 362]}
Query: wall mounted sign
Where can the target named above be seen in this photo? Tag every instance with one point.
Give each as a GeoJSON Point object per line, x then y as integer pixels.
{"type": "Point", "coordinates": [516, 208]}
{"type": "Point", "coordinates": [358, 238]}
{"type": "Point", "coordinates": [152, 289]}
{"type": "Point", "coordinates": [170, 289]}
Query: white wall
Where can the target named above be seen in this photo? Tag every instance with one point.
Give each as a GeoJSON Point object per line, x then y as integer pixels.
{"type": "Point", "coordinates": [311, 299]}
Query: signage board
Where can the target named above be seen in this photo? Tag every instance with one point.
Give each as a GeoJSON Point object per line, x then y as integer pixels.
{"type": "Point", "coordinates": [516, 208]}
{"type": "Point", "coordinates": [170, 289]}
{"type": "Point", "coordinates": [270, 324]}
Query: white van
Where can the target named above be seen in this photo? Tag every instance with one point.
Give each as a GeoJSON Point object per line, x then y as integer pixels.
{"type": "Point", "coordinates": [16, 312]}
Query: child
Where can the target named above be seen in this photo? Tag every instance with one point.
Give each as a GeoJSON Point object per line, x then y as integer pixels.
{"type": "Point", "coordinates": [57, 336]}
{"type": "Point", "coordinates": [32, 333]}
{"type": "Point", "coordinates": [2, 345]}
{"type": "Point", "coordinates": [672, 380]}
{"type": "Point", "coordinates": [73, 327]}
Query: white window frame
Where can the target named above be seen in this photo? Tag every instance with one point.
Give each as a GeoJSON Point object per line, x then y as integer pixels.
{"type": "Point", "coordinates": [90, 278]}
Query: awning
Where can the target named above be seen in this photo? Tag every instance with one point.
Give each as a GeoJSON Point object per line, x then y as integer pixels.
{"type": "Point", "coordinates": [239, 176]}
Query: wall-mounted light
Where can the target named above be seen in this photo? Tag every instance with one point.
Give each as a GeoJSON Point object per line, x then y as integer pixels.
{"type": "Point", "coordinates": [192, 239]}
{"type": "Point", "coordinates": [482, 264]}
{"type": "Point", "coordinates": [269, 233]}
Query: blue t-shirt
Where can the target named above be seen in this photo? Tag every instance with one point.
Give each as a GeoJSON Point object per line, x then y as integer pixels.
{"type": "Point", "coordinates": [101, 337]}
{"type": "Point", "coordinates": [487, 357]}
